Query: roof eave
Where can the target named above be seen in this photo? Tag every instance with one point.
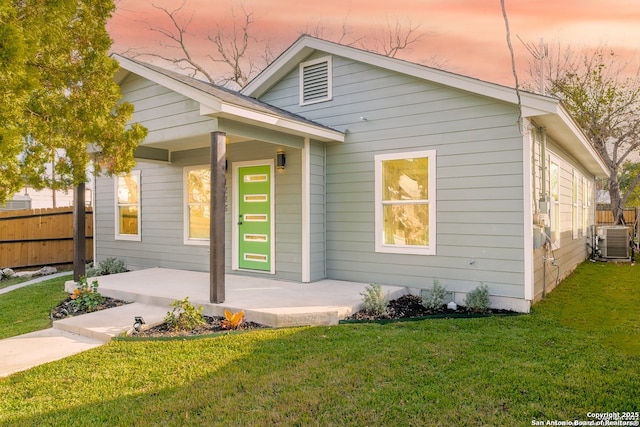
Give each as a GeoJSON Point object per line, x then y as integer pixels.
{"type": "Point", "coordinates": [213, 106]}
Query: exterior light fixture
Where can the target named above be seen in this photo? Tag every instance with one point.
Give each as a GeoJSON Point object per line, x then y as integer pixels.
{"type": "Point", "coordinates": [281, 160]}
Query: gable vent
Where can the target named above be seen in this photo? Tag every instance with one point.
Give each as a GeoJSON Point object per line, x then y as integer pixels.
{"type": "Point", "coordinates": [315, 81]}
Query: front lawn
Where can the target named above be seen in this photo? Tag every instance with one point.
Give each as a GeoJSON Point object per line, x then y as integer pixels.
{"type": "Point", "coordinates": [27, 309]}
{"type": "Point", "coordinates": [559, 363]}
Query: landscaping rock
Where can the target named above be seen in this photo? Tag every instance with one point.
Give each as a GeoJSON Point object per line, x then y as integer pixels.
{"type": "Point", "coordinates": [45, 271]}
{"type": "Point", "coordinates": [6, 273]}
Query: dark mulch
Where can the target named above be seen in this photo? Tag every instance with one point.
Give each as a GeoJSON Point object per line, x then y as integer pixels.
{"type": "Point", "coordinates": [214, 324]}
{"type": "Point", "coordinates": [66, 309]}
{"type": "Point", "coordinates": [410, 306]}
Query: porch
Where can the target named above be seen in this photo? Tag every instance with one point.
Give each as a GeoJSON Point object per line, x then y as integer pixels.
{"type": "Point", "coordinates": [275, 303]}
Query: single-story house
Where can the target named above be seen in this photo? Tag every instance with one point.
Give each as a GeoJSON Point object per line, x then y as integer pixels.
{"type": "Point", "coordinates": [348, 165]}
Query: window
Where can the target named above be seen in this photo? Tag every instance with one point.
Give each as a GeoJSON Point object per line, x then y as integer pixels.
{"type": "Point", "coordinates": [127, 189]}
{"type": "Point", "coordinates": [576, 212]}
{"type": "Point", "coordinates": [315, 81]}
{"type": "Point", "coordinates": [554, 190]}
{"type": "Point", "coordinates": [197, 204]}
{"type": "Point", "coordinates": [405, 209]}
{"type": "Point", "coordinates": [586, 202]}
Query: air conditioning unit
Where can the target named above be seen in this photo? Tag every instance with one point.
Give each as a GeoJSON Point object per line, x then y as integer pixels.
{"type": "Point", "coordinates": [615, 242]}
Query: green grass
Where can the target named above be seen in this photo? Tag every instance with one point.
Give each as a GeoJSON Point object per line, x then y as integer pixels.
{"type": "Point", "coordinates": [27, 309]}
{"type": "Point", "coordinates": [12, 281]}
{"type": "Point", "coordinates": [557, 363]}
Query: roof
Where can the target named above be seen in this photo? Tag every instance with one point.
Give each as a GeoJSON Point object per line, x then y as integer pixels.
{"type": "Point", "coordinates": [547, 112]}
{"type": "Point", "coordinates": [219, 101]}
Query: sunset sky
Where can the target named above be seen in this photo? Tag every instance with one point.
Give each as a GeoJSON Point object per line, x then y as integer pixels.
{"type": "Point", "coordinates": [464, 36]}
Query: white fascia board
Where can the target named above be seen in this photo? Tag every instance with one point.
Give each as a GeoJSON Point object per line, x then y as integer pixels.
{"type": "Point", "coordinates": [306, 45]}
{"type": "Point", "coordinates": [251, 116]}
{"type": "Point", "coordinates": [167, 82]}
{"type": "Point", "coordinates": [576, 130]}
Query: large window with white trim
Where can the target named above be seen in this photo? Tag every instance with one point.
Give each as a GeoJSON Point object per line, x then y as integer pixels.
{"type": "Point", "coordinates": [127, 206]}
{"type": "Point", "coordinates": [197, 191]}
{"type": "Point", "coordinates": [405, 211]}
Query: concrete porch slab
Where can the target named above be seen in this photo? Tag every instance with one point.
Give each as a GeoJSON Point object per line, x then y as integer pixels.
{"type": "Point", "coordinates": [274, 303]}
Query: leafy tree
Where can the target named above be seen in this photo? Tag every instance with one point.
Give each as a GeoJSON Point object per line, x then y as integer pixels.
{"type": "Point", "coordinates": [630, 172]}
{"type": "Point", "coordinates": [66, 101]}
{"type": "Point", "coordinates": [606, 105]}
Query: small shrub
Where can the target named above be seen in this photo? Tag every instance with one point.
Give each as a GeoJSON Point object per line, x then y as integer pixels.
{"type": "Point", "coordinates": [375, 302]}
{"type": "Point", "coordinates": [91, 271]}
{"type": "Point", "coordinates": [112, 265]}
{"type": "Point", "coordinates": [184, 316]}
{"type": "Point", "coordinates": [86, 297]}
{"type": "Point", "coordinates": [478, 299]}
{"type": "Point", "coordinates": [232, 320]}
{"type": "Point", "coordinates": [435, 299]}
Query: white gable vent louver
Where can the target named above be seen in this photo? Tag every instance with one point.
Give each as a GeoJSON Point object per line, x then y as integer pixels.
{"type": "Point", "coordinates": [315, 81]}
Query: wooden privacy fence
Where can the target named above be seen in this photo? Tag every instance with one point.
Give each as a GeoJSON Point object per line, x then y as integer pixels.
{"type": "Point", "coordinates": [605, 216]}
{"type": "Point", "coordinates": [40, 237]}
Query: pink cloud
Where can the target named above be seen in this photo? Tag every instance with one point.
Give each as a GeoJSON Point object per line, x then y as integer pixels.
{"type": "Point", "coordinates": [468, 34]}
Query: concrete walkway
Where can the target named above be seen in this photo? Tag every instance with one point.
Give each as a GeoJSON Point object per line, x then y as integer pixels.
{"type": "Point", "coordinates": [34, 281]}
{"type": "Point", "coordinates": [267, 301]}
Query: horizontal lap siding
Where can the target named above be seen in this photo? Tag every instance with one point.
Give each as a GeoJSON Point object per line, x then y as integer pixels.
{"type": "Point", "coordinates": [572, 251]}
{"type": "Point", "coordinates": [480, 221]}
{"type": "Point", "coordinates": [317, 204]}
{"type": "Point", "coordinates": [162, 212]}
{"type": "Point", "coordinates": [167, 115]}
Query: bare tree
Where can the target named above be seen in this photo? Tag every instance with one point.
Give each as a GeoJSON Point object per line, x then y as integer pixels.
{"type": "Point", "coordinates": [604, 99]}
{"type": "Point", "coordinates": [177, 37]}
{"type": "Point", "coordinates": [233, 48]}
{"type": "Point", "coordinates": [397, 36]}
{"type": "Point", "coordinates": [240, 54]}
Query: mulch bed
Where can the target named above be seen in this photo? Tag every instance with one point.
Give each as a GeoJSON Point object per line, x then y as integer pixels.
{"type": "Point", "coordinates": [405, 307]}
{"type": "Point", "coordinates": [410, 307]}
{"type": "Point", "coordinates": [66, 309]}
{"type": "Point", "coordinates": [213, 325]}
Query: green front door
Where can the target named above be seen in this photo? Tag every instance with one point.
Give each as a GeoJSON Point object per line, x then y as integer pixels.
{"type": "Point", "coordinates": [254, 217]}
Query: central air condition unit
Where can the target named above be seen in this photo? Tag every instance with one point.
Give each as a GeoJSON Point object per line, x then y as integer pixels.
{"type": "Point", "coordinates": [615, 242]}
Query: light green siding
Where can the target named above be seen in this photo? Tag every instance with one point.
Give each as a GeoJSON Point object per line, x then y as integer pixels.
{"type": "Point", "coordinates": [480, 220]}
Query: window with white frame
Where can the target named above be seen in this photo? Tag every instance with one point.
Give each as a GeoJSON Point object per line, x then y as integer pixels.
{"type": "Point", "coordinates": [586, 203]}
{"type": "Point", "coordinates": [197, 191]}
{"type": "Point", "coordinates": [315, 81]}
{"type": "Point", "coordinates": [576, 211]}
{"type": "Point", "coordinates": [554, 196]}
{"type": "Point", "coordinates": [127, 200]}
{"type": "Point", "coordinates": [405, 211]}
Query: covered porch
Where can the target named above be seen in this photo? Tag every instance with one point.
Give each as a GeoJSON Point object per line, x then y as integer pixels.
{"type": "Point", "coordinates": [271, 302]}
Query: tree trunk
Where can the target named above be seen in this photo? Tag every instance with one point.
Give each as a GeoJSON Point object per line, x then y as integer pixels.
{"type": "Point", "coordinates": [617, 205]}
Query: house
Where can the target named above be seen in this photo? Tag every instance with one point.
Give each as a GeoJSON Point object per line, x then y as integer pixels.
{"type": "Point", "coordinates": [348, 165]}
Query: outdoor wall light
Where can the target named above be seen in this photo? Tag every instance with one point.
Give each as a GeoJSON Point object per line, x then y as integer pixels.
{"type": "Point", "coordinates": [138, 321]}
{"type": "Point", "coordinates": [281, 160]}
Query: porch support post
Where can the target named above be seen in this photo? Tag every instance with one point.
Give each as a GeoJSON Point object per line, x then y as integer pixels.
{"type": "Point", "coordinates": [79, 224]}
{"type": "Point", "coordinates": [216, 224]}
